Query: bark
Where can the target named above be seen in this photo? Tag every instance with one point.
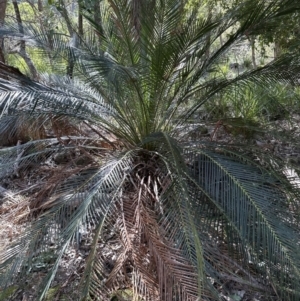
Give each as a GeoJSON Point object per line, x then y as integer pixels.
{"type": "Point", "coordinates": [208, 39]}
{"type": "Point", "coordinates": [80, 20]}
{"type": "Point", "coordinates": [2, 57]}
{"type": "Point", "coordinates": [277, 49]}
{"type": "Point", "coordinates": [22, 52]}
{"type": "Point", "coordinates": [64, 13]}
{"type": "Point", "coordinates": [45, 27]}
{"type": "Point", "coordinates": [3, 5]}
{"type": "Point", "coordinates": [70, 67]}
{"type": "Point", "coordinates": [40, 6]}
{"type": "Point", "coordinates": [97, 13]}
{"type": "Point", "coordinates": [73, 37]}
{"type": "Point", "coordinates": [97, 19]}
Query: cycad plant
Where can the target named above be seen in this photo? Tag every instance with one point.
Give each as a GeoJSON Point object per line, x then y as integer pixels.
{"type": "Point", "coordinates": [189, 219]}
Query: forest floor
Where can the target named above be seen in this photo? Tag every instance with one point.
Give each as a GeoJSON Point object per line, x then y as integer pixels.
{"type": "Point", "coordinates": [18, 190]}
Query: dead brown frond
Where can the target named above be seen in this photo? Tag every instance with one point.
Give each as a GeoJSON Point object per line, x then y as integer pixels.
{"type": "Point", "coordinates": [14, 207]}
{"type": "Point", "coordinates": [62, 126]}
{"type": "Point", "coordinates": [21, 128]}
{"type": "Point", "coordinates": [147, 262]}
{"type": "Point", "coordinates": [46, 197]}
{"type": "Point", "coordinates": [175, 275]}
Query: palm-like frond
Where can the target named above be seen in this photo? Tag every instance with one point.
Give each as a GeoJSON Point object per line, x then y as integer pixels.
{"type": "Point", "coordinates": [185, 220]}
{"type": "Point", "coordinates": [249, 203]}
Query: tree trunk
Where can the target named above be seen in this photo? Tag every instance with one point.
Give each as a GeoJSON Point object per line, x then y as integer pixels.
{"type": "Point", "coordinates": [97, 13]}
{"type": "Point", "coordinates": [40, 6]}
{"type": "Point", "coordinates": [208, 39]}
{"type": "Point", "coordinates": [277, 49]}
{"type": "Point", "coordinates": [98, 21]}
{"type": "Point", "coordinates": [80, 20]}
{"type": "Point", "coordinates": [73, 37]}
{"type": "Point", "coordinates": [64, 13]}
{"type": "Point", "coordinates": [3, 5]}
{"type": "Point", "coordinates": [22, 51]}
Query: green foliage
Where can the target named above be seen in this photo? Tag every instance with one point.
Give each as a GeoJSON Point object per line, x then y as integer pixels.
{"type": "Point", "coordinates": [186, 216]}
{"type": "Point", "coordinates": [51, 294]}
{"type": "Point", "coordinates": [50, 20]}
{"type": "Point", "coordinates": [41, 63]}
{"type": "Point", "coordinates": [255, 103]}
{"type": "Point", "coordinates": [283, 31]}
{"type": "Point", "coordinates": [7, 292]}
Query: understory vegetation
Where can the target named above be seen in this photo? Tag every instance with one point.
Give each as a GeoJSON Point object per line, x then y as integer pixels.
{"type": "Point", "coordinates": [137, 162]}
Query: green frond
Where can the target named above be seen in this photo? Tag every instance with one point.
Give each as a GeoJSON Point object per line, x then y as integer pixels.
{"type": "Point", "coordinates": [184, 218]}
{"type": "Point", "coordinates": [47, 101]}
{"type": "Point", "coordinates": [256, 209]}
